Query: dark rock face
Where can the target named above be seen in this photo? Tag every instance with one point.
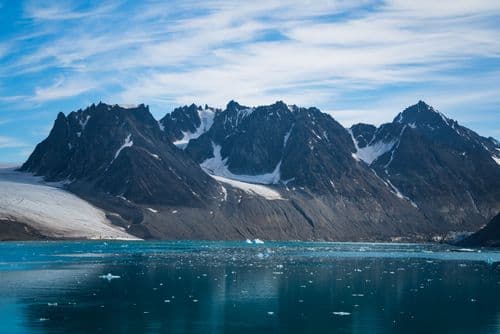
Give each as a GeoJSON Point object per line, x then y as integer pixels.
{"type": "Point", "coordinates": [187, 122]}
{"type": "Point", "coordinates": [306, 152]}
{"type": "Point", "coordinates": [252, 139]}
{"type": "Point", "coordinates": [363, 133]}
{"type": "Point", "coordinates": [447, 170]}
{"type": "Point", "coordinates": [489, 236]}
{"type": "Point", "coordinates": [120, 151]}
{"type": "Point", "coordinates": [420, 176]}
{"type": "Point", "coordinates": [182, 119]}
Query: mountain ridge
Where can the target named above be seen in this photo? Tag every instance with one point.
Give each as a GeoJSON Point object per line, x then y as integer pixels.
{"type": "Point", "coordinates": [195, 173]}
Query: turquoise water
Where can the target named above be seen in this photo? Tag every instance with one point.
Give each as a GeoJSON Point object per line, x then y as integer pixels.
{"type": "Point", "coordinates": [234, 287]}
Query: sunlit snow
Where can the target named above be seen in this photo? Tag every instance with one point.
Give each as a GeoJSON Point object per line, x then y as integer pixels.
{"type": "Point", "coordinates": [52, 210]}
{"type": "Point", "coordinates": [217, 166]}
{"type": "Point", "coordinates": [207, 119]}
{"type": "Point", "coordinates": [250, 188]}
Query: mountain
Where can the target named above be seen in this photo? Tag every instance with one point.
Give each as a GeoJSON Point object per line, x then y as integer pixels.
{"type": "Point", "coordinates": [272, 172]}
{"type": "Point", "coordinates": [448, 171]}
{"type": "Point", "coordinates": [489, 236]}
{"type": "Point", "coordinates": [120, 151]}
{"type": "Point", "coordinates": [186, 123]}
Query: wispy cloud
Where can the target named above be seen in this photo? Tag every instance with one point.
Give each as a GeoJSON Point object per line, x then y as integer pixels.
{"type": "Point", "coordinates": [359, 59]}
{"type": "Point", "coordinates": [62, 88]}
{"type": "Point", "coordinates": [64, 10]}
{"type": "Point", "coordinates": [10, 142]}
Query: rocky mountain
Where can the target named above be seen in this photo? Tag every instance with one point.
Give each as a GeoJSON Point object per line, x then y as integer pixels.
{"type": "Point", "coordinates": [186, 123]}
{"type": "Point", "coordinates": [489, 236]}
{"type": "Point", "coordinates": [273, 172]}
{"type": "Point", "coordinates": [448, 171]}
{"type": "Point", "coordinates": [122, 152]}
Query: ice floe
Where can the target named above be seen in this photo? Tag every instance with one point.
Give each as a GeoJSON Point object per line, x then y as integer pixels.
{"type": "Point", "coordinates": [109, 277]}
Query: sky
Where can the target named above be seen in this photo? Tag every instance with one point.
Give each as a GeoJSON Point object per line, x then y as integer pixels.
{"type": "Point", "coordinates": [358, 60]}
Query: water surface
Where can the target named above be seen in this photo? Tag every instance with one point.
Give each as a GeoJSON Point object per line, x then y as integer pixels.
{"type": "Point", "coordinates": [234, 287]}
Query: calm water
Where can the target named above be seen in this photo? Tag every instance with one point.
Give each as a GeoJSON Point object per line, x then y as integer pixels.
{"type": "Point", "coordinates": [233, 287]}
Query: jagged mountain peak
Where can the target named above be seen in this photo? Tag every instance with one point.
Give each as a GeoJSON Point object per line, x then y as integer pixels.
{"type": "Point", "coordinates": [422, 114]}
{"type": "Point", "coordinates": [118, 151]}
{"type": "Point", "coordinates": [235, 106]}
{"type": "Point", "coordinates": [187, 122]}
{"type": "Point", "coordinates": [420, 162]}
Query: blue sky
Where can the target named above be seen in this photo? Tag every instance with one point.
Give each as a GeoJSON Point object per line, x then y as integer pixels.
{"type": "Point", "coordinates": [358, 60]}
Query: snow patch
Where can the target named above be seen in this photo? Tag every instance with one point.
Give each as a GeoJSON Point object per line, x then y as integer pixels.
{"type": "Point", "coordinates": [153, 210]}
{"type": "Point", "coordinates": [127, 106]}
{"type": "Point", "coordinates": [400, 194]}
{"type": "Point", "coordinates": [52, 210]}
{"type": "Point", "coordinates": [250, 188]}
{"type": "Point", "coordinates": [155, 156]}
{"type": "Point", "coordinates": [287, 136]}
{"type": "Point", "coordinates": [83, 123]}
{"type": "Point", "coordinates": [206, 118]}
{"type": "Point", "coordinates": [127, 143]}
{"type": "Point", "coordinates": [497, 160]}
{"type": "Point", "coordinates": [372, 151]}
{"type": "Point", "coordinates": [217, 166]}
{"type": "Point", "coordinates": [224, 193]}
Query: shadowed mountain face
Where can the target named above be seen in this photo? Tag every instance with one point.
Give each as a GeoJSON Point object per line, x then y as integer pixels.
{"type": "Point", "coordinates": [120, 151]}
{"type": "Point", "coordinates": [274, 172]}
{"type": "Point", "coordinates": [450, 172]}
{"type": "Point", "coordinates": [186, 123]}
{"type": "Point", "coordinates": [489, 236]}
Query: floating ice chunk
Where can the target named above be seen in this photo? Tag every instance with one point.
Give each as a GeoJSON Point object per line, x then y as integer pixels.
{"type": "Point", "coordinates": [341, 313]}
{"type": "Point", "coordinates": [153, 210]}
{"type": "Point", "coordinates": [52, 304]}
{"type": "Point", "coordinates": [258, 241]}
{"type": "Point", "coordinates": [464, 250]}
{"type": "Point", "coordinates": [248, 241]}
{"type": "Point", "coordinates": [270, 313]}
{"type": "Point", "coordinates": [109, 277]}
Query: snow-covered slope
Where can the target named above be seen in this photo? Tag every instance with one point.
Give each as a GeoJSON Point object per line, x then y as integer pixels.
{"type": "Point", "coordinates": [218, 166]}
{"type": "Point", "coordinates": [251, 188]}
{"type": "Point", "coordinates": [206, 117]}
{"type": "Point", "coordinates": [50, 210]}
{"type": "Point", "coordinates": [372, 151]}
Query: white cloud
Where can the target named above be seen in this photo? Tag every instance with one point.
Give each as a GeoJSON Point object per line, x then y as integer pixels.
{"type": "Point", "coordinates": [62, 88]}
{"type": "Point", "coordinates": [10, 142]}
{"type": "Point", "coordinates": [213, 51]}
{"type": "Point", "coordinates": [64, 10]}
